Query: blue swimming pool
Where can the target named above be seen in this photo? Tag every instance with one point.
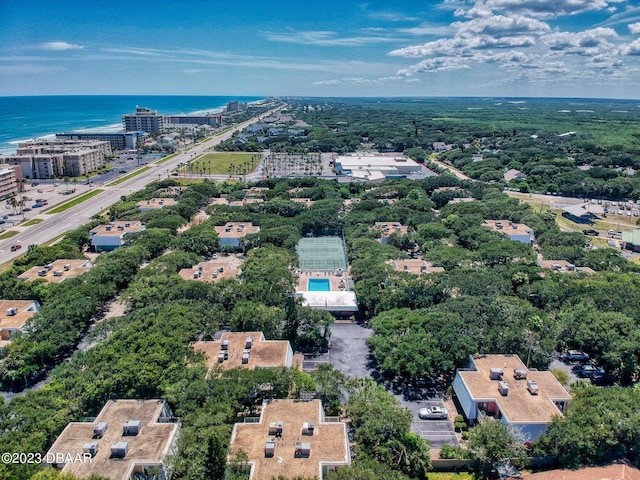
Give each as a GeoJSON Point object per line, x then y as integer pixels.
{"type": "Point", "coordinates": [319, 285]}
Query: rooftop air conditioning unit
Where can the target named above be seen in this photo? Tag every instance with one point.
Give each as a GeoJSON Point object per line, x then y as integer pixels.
{"type": "Point", "coordinates": [90, 448]}
{"type": "Point", "coordinates": [131, 427]}
{"type": "Point", "coordinates": [275, 428]}
{"type": "Point", "coordinates": [48, 266]}
{"type": "Point", "coordinates": [120, 227]}
{"type": "Point", "coordinates": [269, 448]}
{"type": "Point", "coordinates": [245, 358]}
{"type": "Point", "coordinates": [308, 428]}
{"type": "Point", "coordinates": [119, 449]}
{"type": "Point", "coordinates": [127, 225]}
{"type": "Point", "coordinates": [12, 311]}
{"type": "Point", "coordinates": [66, 267]}
{"type": "Point", "coordinates": [108, 228]}
{"type": "Point", "coordinates": [58, 273]}
{"type": "Point", "coordinates": [495, 373]}
{"type": "Point", "coordinates": [248, 343]}
{"type": "Point", "coordinates": [100, 429]}
{"type": "Point", "coordinates": [571, 267]}
{"type": "Point", "coordinates": [303, 450]}
{"type": "Point", "coordinates": [533, 388]}
{"type": "Point", "coordinates": [503, 388]}
{"type": "Point", "coordinates": [225, 345]}
{"type": "Point", "coordinates": [519, 374]}
{"type": "Point", "coordinates": [42, 273]}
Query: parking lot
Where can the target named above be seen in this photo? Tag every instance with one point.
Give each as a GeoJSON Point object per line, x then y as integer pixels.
{"type": "Point", "coordinates": [350, 355]}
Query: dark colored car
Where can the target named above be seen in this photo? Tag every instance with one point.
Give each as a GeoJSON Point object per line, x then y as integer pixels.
{"type": "Point", "coordinates": [15, 247]}
{"type": "Point", "coordinates": [604, 380]}
{"type": "Point", "coordinates": [591, 231]}
{"type": "Point", "coordinates": [122, 171]}
{"type": "Point", "coordinates": [589, 370]}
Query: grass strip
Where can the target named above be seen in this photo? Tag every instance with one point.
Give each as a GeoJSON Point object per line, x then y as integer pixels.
{"type": "Point", "coordinates": [75, 201]}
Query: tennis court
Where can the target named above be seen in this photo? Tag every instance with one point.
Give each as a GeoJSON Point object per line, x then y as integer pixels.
{"type": "Point", "coordinates": [322, 254]}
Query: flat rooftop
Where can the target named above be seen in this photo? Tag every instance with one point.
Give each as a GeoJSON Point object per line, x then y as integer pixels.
{"type": "Point", "coordinates": [414, 266]}
{"type": "Point", "coordinates": [153, 442]}
{"type": "Point", "coordinates": [375, 162]}
{"type": "Point", "coordinates": [263, 353]}
{"type": "Point", "coordinates": [156, 203]}
{"type": "Point", "coordinates": [328, 444]}
{"type": "Point", "coordinates": [13, 316]}
{"type": "Point", "coordinates": [236, 229]}
{"type": "Point", "coordinates": [615, 471]}
{"type": "Point", "coordinates": [210, 271]}
{"type": "Point", "coordinates": [56, 272]}
{"type": "Point", "coordinates": [562, 266]}
{"type": "Point", "coordinates": [508, 228]}
{"type": "Point", "coordinates": [519, 406]}
{"type": "Point", "coordinates": [116, 229]}
{"type": "Point", "coordinates": [389, 228]}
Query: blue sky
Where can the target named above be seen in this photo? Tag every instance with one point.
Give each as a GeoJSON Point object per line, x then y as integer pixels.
{"type": "Point", "coordinates": [565, 48]}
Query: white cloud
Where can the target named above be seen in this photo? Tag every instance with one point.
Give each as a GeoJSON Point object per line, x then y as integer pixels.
{"type": "Point", "coordinates": [462, 45]}
{"type": "Point", "coordinates": [589, 42]}
{"type": "Point", "coordinates": [634, 28]}
{"type": "Point", "coordinates": [325, 38]}
{"type": "Point", "coordinates": [536, 8]}
{"type": "Point", "coordinates": [500, 24]}
{"type": "Point", "coordinates": [392, 17]}
{"type": "Point", "coordinates": [632, 48]}
{"type": "Point", "coordinates": [60, 46]}
{"type": "Point", "coordinates": [438, 64]}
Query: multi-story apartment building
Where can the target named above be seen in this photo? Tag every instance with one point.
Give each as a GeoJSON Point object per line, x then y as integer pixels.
{"type": "Point", "coordinates": [144, 119]}
{"type": "Point", "coordinates": [8, 184]}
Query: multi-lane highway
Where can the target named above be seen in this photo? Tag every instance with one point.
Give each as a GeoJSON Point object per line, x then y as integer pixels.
{"type": "Point", "coordinates": [55, 225]}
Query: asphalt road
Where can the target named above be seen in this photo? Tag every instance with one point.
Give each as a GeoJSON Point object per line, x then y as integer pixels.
{"type": "Point", "coordinates": [55, 225]}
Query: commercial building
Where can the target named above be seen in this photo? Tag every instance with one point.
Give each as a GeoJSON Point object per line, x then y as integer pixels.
{"type": "Point", "coordinates": [118, 141]}
{"type": "Point", "coordinates": [631, 240]}
{"type": "Point", "coordinates": [502, 387]}
{"type": "Point", "coordinates": [128, 440]}
{"type": "Point", "coordinates": [224, 266]}
{"type": "Point", "coordinates": [111, 236]}
{"type": "Point", "coordinates": [518, 232]}
{"type": "Point", "coordinates": [232, 232]}
{"type": "Point", "coordinates": [292, 439]}
{"type": "Point", "coordinates": [13, 316]}
{"type": "Point", "coordinates": [155, 203]}
{"type": "Point", "coordinates": [584, 213]}
{"type": "Point", "coordinates": [144, 120]}
{"type": "Point", "coordinates": [371, 168]}
{"type": "Point", "coordinates": [56, 272]}
{"type": "Point", "coordinates": [247, 350]}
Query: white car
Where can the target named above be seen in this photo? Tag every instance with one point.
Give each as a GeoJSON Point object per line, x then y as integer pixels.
{"type": "Point", "coordinates": [433, 413]}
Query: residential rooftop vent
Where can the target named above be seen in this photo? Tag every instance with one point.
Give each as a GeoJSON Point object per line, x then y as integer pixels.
{"type": "Point", "coordinates": [99, 429]}
{"type": "Point", "coordinates": [90, 448]}
{"type": "Point", "coordinates": [119, 449]}
{"type": "Point", "coordinates": [275, 428]}
{"type": "Point", "coordinates": [308, 428]}
{"type": "Point", "coordinates": [131, 427]}
{"type": "Point", "coordinates": [496, 373]}
{"type": "Point", "coordinates": [303, 450]}
{"type": "Point", "coordinates": [503, 388]}
{"type": "Point", "coordinates": [269, 448]}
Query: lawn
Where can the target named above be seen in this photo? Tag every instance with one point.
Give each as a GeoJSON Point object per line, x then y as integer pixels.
{"type": "Point", "coordinates": [219, 163]}
{"type": "Point", "coordinates": [33, 221]}
{"type": "Point", "coordinates": [449, 476]}
{"type": "Point", "coordinates": [8, 234]}
{"type": "Point", "coordinates": [75, 201]}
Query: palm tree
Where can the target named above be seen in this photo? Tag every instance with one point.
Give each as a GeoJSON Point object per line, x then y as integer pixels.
{"type": "Point", "coordinates": [13, 203]}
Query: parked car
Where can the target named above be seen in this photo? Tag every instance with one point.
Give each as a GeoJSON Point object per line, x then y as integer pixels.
{"type": "Point", "coordinates": [37, 205]}
{"type": "Point", "coordinates": [589, 370]}
{"type": "Point", "coordinates": [575, 356]}
{"type": "Point", "coordinates": [604, 380]}
{"type": "Point", "coordinates": [433, 413]}
{"type": "Point", "coordinates": [15, 247]}
{"type": "Point", "coordinates": [591, 231]}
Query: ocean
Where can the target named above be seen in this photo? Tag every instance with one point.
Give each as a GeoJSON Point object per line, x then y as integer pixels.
{"type": "Point", "coordinates": [24, 118]}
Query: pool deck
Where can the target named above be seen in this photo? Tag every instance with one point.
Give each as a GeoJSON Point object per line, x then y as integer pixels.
{"type": "Point", "coordinates": [334, 280]}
